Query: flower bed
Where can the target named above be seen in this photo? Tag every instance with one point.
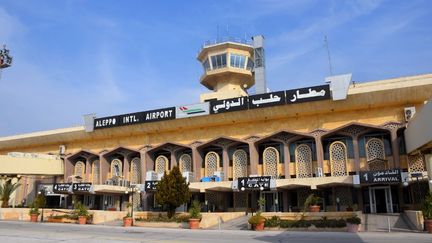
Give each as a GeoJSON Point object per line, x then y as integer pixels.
{"type": "Point", "coordinates": [323, 224]}
{"type": "Point", "coordinates": [178, 221]}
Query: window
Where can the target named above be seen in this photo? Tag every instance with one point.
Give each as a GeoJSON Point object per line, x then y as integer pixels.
{"type": "Point", "coordinates": [250, 64]}
{"type": "Point", "coordinates": [218, 61]}
{"type": "Point", "coordinates": [206, 65]}
{"type": "Point", "coordinates": [237, 61]}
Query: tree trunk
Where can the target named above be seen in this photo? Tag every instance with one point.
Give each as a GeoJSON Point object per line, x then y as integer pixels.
{"type": "Point", "coordinates": [5, 203]}
{"type": "Point", "coordinates": [170, 212]}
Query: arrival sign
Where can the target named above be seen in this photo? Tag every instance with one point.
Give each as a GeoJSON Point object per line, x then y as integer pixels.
{"type": "Point", "coordinates": [380, 176]}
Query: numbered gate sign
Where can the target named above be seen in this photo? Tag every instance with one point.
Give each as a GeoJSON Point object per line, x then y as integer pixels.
{"type": "Point", "coordinates": [81, 187]}
{"type": "Point", "coordinates": [61, 187]}
{"type": "Point", "coordinates": [380, 176]}
{"type": "Point", "coordinates": [150, 186]}
{"type": "Point", "coordinates": [254, 183]}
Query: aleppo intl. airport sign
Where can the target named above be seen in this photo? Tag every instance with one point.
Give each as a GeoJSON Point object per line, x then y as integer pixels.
{"type": "Point", "coordinates": [292, 96]}
{"type": "Point", "coordinates": [254, 183]}
{"type": "Point", "coordinates": [135, 118]}
{"type": "Point", "coordinates": [380, 176]}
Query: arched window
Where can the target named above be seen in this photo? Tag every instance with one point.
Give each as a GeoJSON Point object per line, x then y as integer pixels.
{"type": "Point", "coordinates": [79, 169]}
{"type": "Point", "coordinates": [240, 161]}
{"type": "Point", "coordinates": [375, 154]}
{"type": "Point", "coordinates": [338, 159]}
{"type": "Point", "coordinates": [271, 160]}
{"type": "Point", "coordinates": [303, 155]}
{"type": "Point", "coordinates": [161, 164]}
{"type": "Point", "coordinates": [185, 163]}
{"type": "Point", "coordinates": [96, 172]}
{"type": "Point", "coordinates": [135, 171]}
{"type": "Point", "coordinates": [211, 163]}
{"type": "Point", "coordinates": [116, 168]}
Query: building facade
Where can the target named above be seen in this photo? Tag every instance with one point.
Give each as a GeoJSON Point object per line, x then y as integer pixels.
{"type": "Point", "coordinates": [284, 145]}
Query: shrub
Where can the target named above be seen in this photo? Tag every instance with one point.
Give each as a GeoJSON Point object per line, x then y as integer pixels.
{"type": "Point", "coordinates": [33, 209]}
{"type": "Point", "coordinates": [194, 211]}
{"type": "Point", "coordinates": [286, 223]}
{"type": "Point", "coordinates": [272, 222]}
{"type": "Point", "coordinates": [427, 206]}
{"type": "Point", "coordinates": [256, 219]}
{"type": "Point", "coordinates": [353, 220]}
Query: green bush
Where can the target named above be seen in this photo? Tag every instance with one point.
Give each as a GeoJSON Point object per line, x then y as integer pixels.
{"type": "Point", "coordinates": [256, 219]}
{"type": "Point", "coordinates": [195, 210]}
{"type": "Point", "coordinates": [329, 223]}
{"type": "Point", "coordinates": [286, 223]}
{"type": "Point", "coordinates": [272, 222]}
{"type": "Point", "coordinates": [353, 220]}
{"type": "Point", "coordinates": [427, 206]}
{"type": "Point", "coordinates": [178, 219]}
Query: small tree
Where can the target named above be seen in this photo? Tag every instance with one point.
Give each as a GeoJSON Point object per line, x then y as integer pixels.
{"type": "Point", "coordinates": [6, 190]}
{"type": "Point", "coordinates": [172, 191]}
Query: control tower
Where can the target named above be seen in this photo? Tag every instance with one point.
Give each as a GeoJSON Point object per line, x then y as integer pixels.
{"type": "Point", "coordinates": [228, 68]}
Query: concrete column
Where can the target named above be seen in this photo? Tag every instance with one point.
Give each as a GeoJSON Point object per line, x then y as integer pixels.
{"type": "Point", "coordinates": [360, 198]}
{"type": "Point", "coordinates": [285, 206]}
{"type": "Point", "coordinates": [87, 171]}
{"type": "Point", "coordinates": [356, 155]}
{"type": "Point", "coordinates": [428, 161]}
{"type": "Point", "coordinates": [287, 160]}
{"type": "Point", "coordinates": [150, 164]}
{"type": "Point", "coordinates": [395, 149]}
{"type": "Point", "coordinates": [143, 165]}
{"type": "Point", "coordinates": [254, 157]}
{"type": "Point", "coordinates": [197, 163]}
{"type": "Point", "coordinates": [225, 158]}
{"type": "Point", "coordinates": [68, 169]}
{"type": "Point", "coordinates": [173, 158]}
{"type": "Point", "coordinates": [104, 168]}
{"type": "Point", "coordinates": [320, 153]}
{"type": "Point", "coordinates": [126, 166]}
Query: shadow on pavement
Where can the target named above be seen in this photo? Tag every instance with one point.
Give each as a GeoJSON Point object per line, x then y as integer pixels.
{"type": "Point", "coordinates": [312, 237]}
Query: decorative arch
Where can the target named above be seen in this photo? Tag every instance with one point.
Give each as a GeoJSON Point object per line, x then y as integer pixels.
{"type": "Point", "coordinates": [79, 169]}
{"type": "Point", "coordinates": [96, 172]}
{"type": "Point", "coordinates": [135, 171]}
{"type": "Point", "coordinates": [240, 162]}
{"type": "Point", "coordinates": [303, 155]}
{"type": "Point", "coordinates": [338, 159]}
{"type": "Point", "coordinates": [375, 154]}
{"type": "Point", "coordinates": [271, 160]}
{"type": "Point", "coordinates": [212, 160]}
{"type": "Point", "coordinates": [116, 168]}
{"type": "Point", "coordinates": [185, 163]}
{"type": "Point", "coordinates": [161, 164]}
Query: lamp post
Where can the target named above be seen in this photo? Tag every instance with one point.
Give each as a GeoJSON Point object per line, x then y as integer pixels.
{"type": "Point", "coordinates": [132, 190]}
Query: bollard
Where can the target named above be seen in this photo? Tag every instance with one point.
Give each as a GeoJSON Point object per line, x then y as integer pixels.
{"type": "Point", "coordinates": [219, 222]}
{"type": "Point", "coordinates": [388, 223]}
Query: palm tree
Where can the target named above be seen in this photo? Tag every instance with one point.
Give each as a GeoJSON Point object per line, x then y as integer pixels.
{"type": "Point", "coordinates": [6, 190]}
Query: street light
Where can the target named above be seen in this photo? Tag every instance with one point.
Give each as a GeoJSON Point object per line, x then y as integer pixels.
{"type": "Point", "coordinates": [132, 190]}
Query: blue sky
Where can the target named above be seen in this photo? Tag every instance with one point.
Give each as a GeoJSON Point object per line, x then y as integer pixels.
{"type": "Point", "coordinates": [112, 57]}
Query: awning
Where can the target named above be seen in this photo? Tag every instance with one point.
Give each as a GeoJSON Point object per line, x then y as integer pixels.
{"type": "Point", "coordinates": [223, 186]}
{"type": "Point", "coordinates": [314, 182]}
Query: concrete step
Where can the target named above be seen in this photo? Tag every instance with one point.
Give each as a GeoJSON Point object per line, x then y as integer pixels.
{"type": "Point", "coordinates": [234, 224]}
{"type": "Point", "coordinates": [382, 223]}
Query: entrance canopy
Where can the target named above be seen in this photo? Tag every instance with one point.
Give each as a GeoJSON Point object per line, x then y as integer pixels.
{"type": "Point", "coordinates": [24, 164]}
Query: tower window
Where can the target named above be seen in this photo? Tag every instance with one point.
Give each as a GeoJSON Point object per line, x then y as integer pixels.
{"type": "Point", "coordinates": [206, 65]}
{"type": "Point", "coordinates": [237, 61]}
{"type": "Point", "coordinates": [218, 61]}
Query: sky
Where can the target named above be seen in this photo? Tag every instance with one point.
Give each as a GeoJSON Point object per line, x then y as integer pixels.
{"type": "Point", "coordinates": [75, 57]}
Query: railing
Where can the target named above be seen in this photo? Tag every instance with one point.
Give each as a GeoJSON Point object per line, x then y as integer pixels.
{"type": "Point", "coordinates": [227, 39]}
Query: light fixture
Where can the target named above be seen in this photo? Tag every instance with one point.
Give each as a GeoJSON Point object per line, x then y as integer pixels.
{"type": "Point", "coordinates": [261, 188]}
{"type": "Point", "coordinates": [242, 189]}
{"type": "Point", "coordinates": [405, 183]}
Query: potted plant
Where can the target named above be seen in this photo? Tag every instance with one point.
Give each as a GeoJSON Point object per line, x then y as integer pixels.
{"type": "Point", "coordinates": [427, 212]}
{"type": "Point", "coordinates": [195, 215]}
{"type": "Point", "coordinates": [127, 220]}
{"type": "Point", "coordinates": [34, 213]}
{"type": "Point", "coordinates": [312, 202]}
{"type": "Point", "coordinates": [82, 213]}
{"type": "Point", "coordinates": [353, 224]}
{"type": "Point", "coordinates": [257, 221]}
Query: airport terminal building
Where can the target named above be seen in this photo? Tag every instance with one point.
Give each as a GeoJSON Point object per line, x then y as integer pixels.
{"type": "Point", "coordinates": [346, 142]}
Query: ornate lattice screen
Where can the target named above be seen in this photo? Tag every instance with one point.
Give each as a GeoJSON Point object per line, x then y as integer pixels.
{"type": "Point", "coordinates": [240, 164]}
{"type": "Point", "coordinates": [416, 163]}
{"type": "Point", "coordinates": [161, 164]}
{"type": "Point", "coordinates": [135, 171]}
{"type": "Point", "coordinates": [96, 172]}
{"type": "Point", "coordinates": [271, 160]}
{"type": "Point", "coordinates": [375, 154]}
{"type": "Point", "coordinates": [79, 169]}
{"type": "Point", "coordinates": [338, 159]}
{"type": "Point", "coordinates": [211, 163]}
{"type": "Point", "coordinates": [303, 154]}
{"type": "Point", "coordinates": [185, 163]}
{"type": "Point", "coordinates": [116, 168]}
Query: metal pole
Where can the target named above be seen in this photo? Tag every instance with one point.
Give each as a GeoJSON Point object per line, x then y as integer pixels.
{"type": "Point", "coordinates": [388, 223]}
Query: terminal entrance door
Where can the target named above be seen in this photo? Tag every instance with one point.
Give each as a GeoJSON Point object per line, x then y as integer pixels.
{"type": "Point", "coordinates": [380, 199]}
{"type": "Point", "coordinates": [271, 201]}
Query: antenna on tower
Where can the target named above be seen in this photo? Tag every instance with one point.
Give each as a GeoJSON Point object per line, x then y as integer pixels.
{"type": "Point", "coordinates": [328, 54]}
